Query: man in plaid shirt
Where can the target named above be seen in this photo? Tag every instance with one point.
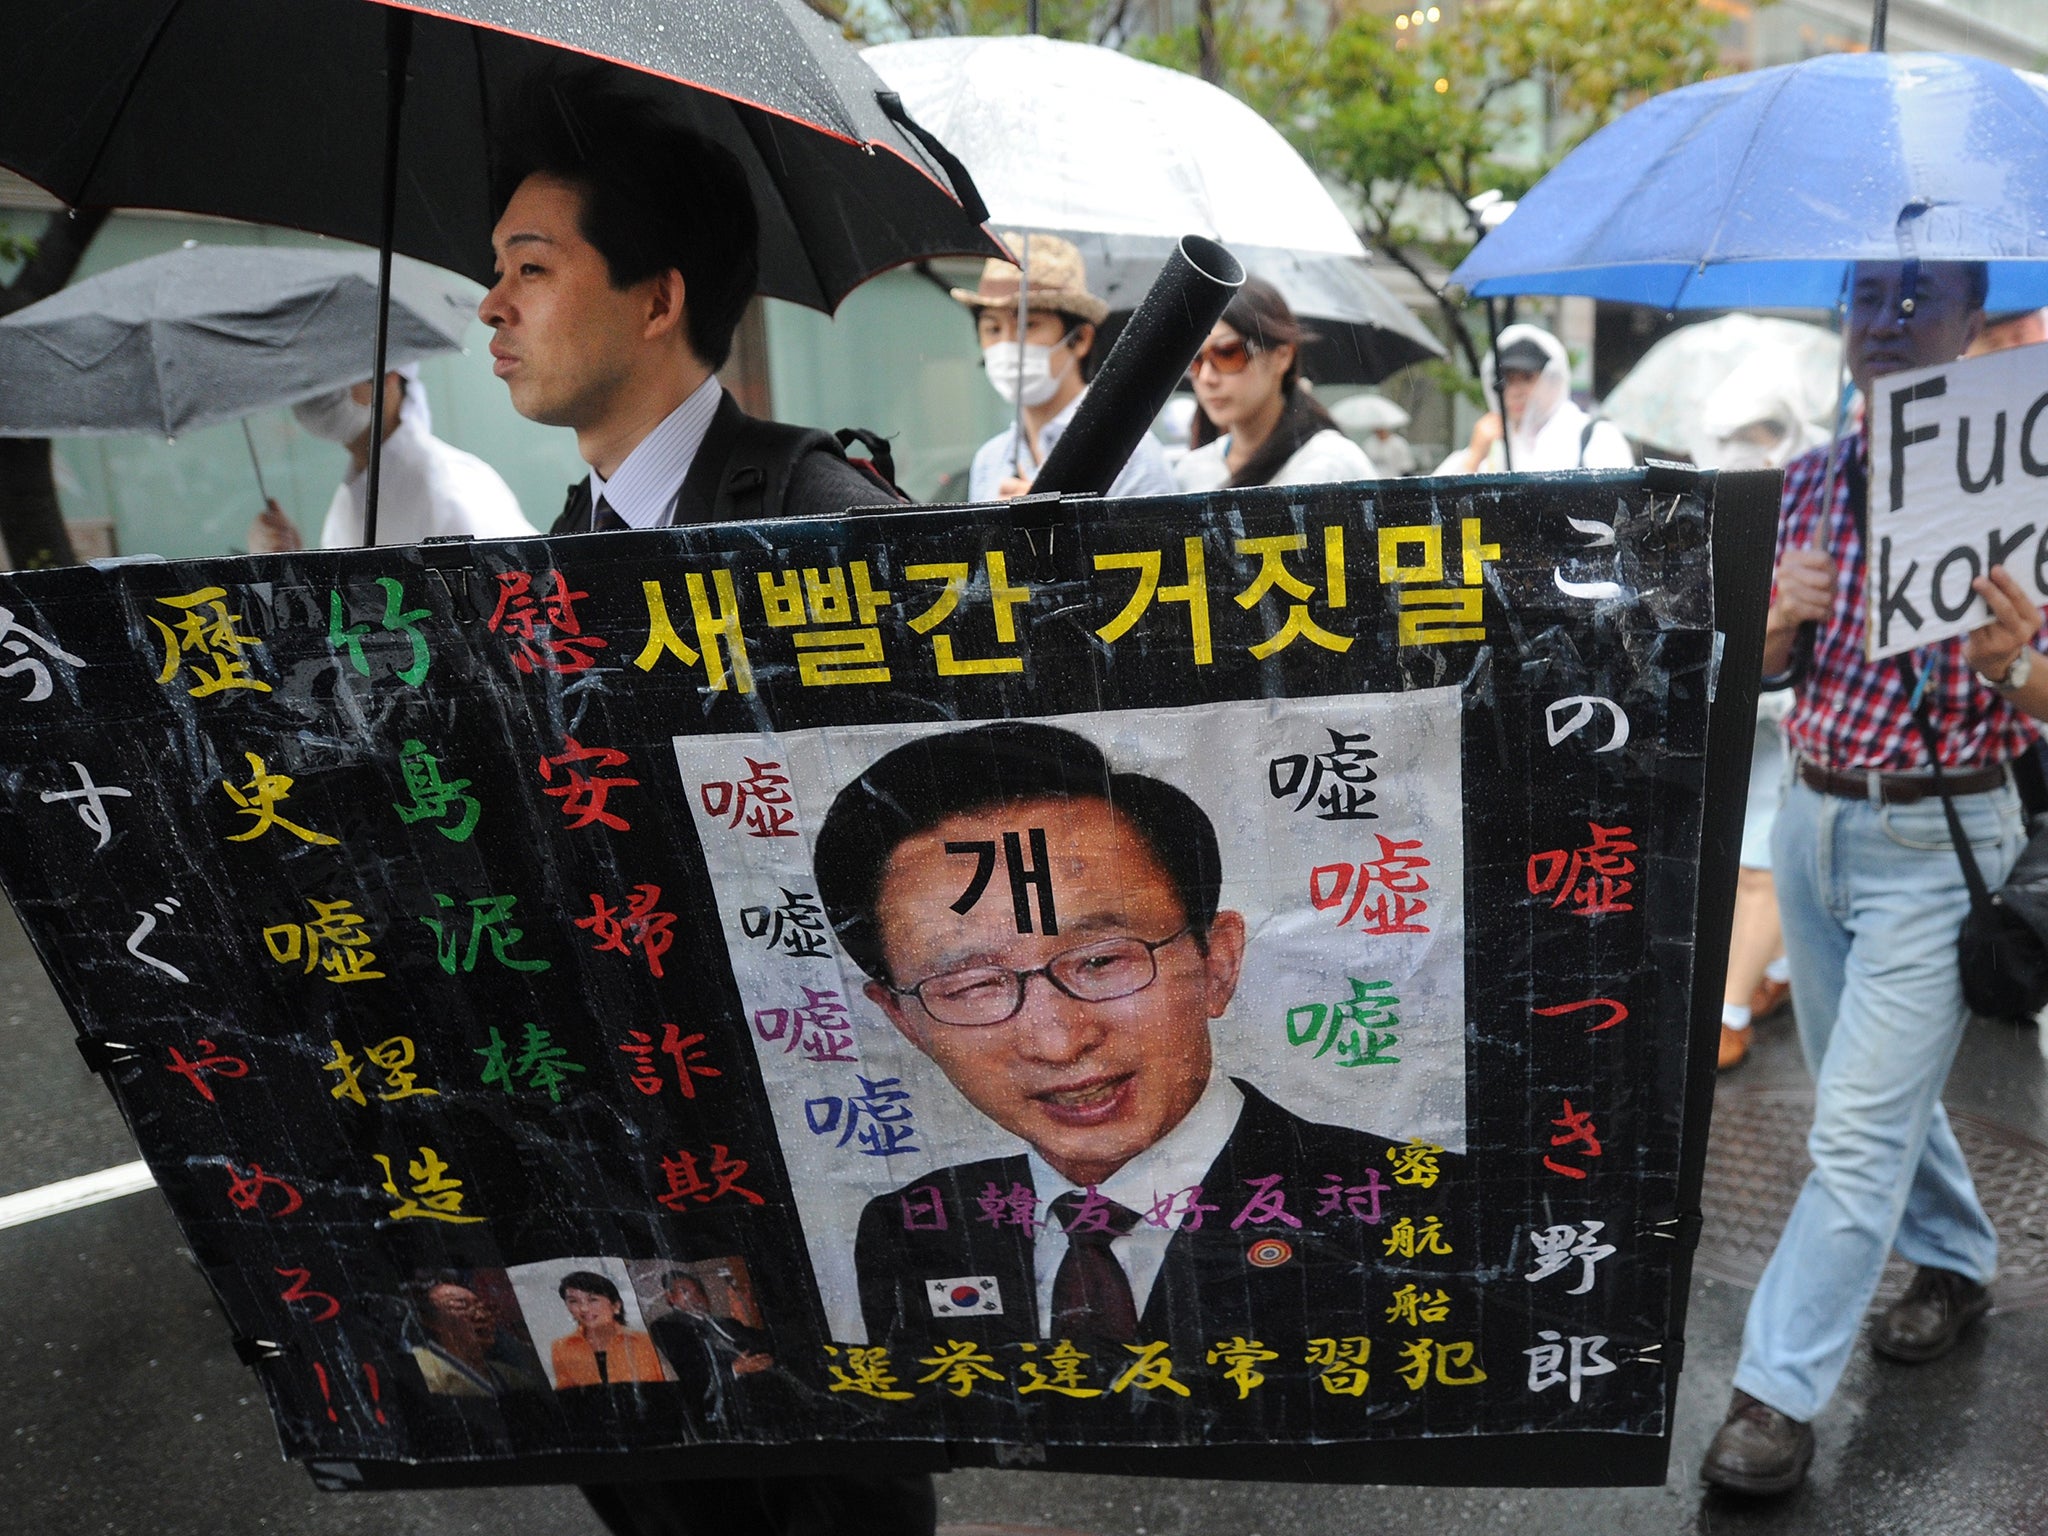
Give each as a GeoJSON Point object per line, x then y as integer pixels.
{"type": "Point", "coordinates": [1872, 899]}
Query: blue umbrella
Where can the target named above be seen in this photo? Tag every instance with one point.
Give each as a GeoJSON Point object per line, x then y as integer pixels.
{"type": "Point", "coordinates": [1759, 189]}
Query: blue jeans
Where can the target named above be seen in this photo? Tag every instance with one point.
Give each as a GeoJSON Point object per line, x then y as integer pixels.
{"type": "Point", "coordinates": [1871, 898]}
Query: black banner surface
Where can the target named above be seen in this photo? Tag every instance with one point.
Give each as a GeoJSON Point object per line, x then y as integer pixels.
{"type": "Point", "coordinates": [1203, 972]}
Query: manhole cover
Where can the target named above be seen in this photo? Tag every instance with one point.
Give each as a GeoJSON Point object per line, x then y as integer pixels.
{"type": "Point", "coordinates": [1756, 1163]}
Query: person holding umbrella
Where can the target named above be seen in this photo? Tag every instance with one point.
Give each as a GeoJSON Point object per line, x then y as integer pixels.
{"type": "Point", "coordinates": [430, 489]}
{"type": "Point", "coordinates": [626, 247]}
{"type": "Point", "coordinates": [1257, 423]}
{"type": "Point", "coordinates": [1872, 898]}
{"type": "Point", "coordinates": [1529, 373]}
{"type": "Point", "coordinates": [1044, 372]}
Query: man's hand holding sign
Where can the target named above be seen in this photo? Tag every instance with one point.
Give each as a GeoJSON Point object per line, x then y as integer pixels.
{"type": "Point", "coordinates": [1958, 521]}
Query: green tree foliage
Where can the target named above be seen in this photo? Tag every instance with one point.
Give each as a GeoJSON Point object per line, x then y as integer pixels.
{"type": "Point", "coordinates": [881, 21]}
{"type": "Point", "coordinates": [1415, 121]}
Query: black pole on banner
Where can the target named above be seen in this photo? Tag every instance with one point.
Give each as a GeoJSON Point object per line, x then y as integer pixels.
{"type": "Point", "coordinates": [1877, 20]}
{"type": "Point", "coordinates": [1500, 394]}
{"type": "Point", "coordinates": [397, 55]}
{"type": "Point", "coordinates": [1162, 337]}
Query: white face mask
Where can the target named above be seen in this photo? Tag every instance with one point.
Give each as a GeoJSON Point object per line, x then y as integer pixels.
{"type": "Point", "coordinates": [1741, 453]}
{"type": "Point", "coordinates": [334, 417]}
{"type": "Point", "coordinates": [1040, 382]}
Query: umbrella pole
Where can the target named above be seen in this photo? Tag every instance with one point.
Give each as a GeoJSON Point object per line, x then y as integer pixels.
{"type": "Point", "coordinates": [397, 54]}
{"type": "Point", "coordinates": [254, 462]}
{"type": "Point", "coordinates": [1018, 449]}
{"type": "Point", "coordinates": [1500, 399]}
{"type": "Point", "coordinates": [1877, 20]}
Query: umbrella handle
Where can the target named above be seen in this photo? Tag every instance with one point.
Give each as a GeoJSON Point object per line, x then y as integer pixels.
{"type": "Point", "coordinates": [963, 184]}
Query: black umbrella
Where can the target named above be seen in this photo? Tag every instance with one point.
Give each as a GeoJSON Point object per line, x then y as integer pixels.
{"type": "Point", "coordinates": [374, 121]}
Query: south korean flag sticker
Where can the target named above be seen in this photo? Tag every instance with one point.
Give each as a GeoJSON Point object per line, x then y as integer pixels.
{"type": "Point", "coordinates": [965, 1296]}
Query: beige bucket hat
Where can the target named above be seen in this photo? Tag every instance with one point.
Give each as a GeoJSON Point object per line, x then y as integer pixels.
{"type": "Point", "coordinates": [1059, 280]}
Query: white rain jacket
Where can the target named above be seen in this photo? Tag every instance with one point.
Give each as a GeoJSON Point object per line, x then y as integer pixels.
{"type": "Point", "coordinates": [1552, 428]}
{"type": "Point", "coordinates": [428, 489]}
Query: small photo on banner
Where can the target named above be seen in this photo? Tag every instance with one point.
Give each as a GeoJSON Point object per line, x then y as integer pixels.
{"type": "Point", "coordinates": [1032, 956]}
{"type": "Point", "coordinates": [585, 1314]}
{"type": "Point", "coordinates": [706, 1323]}
{"type": "Point", "coordinates": [465, 1332]}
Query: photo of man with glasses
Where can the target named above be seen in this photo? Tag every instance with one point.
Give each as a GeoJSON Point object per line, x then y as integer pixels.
{"type": "Point", "coordinates": [1047, 931]}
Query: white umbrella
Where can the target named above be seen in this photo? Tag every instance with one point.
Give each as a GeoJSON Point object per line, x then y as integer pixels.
{"type": "Point", "coordinates": [1663, 399]}
{"type": "Point", "coordinates": [1072, 137]}
{"type": "Point", "coordinates": [1124, 157]}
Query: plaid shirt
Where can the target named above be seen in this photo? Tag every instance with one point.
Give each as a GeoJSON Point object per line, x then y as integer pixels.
{"type": "Point", "coordinates": [1851, 712]}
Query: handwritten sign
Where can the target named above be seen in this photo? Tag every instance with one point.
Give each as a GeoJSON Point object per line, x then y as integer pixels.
{"type": "Point", "coordinates": [1958, 470]}
{"type": "Point", "coordinates": [1201, 972]}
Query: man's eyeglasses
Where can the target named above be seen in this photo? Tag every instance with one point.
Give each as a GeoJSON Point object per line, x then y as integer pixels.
{"type": "Point", "coordinates": [1223, 356]}
{"type": "Point", "coordinates": [981, 995]}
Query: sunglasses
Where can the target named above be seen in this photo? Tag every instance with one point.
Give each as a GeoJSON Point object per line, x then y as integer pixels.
{"type": "Point", "coordinates": [1223, 356]}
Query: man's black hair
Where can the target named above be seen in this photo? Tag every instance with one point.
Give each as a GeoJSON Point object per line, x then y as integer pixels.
{"type": "Point", "coordinates": [922, 783]}
{"type": "Point", "coordinates": [590, 1283]}
{"type": "Point", "coordinates": [655, 193]}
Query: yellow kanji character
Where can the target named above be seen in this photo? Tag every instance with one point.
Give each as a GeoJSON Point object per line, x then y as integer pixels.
{"type": "Point", "coordinates": [1065, 1361]}
{"type": "Point", "coordinates": [258, 800]}
{"type": "Point", "coordinates": [1343, 1364]}
{"type": "Point", "coordinates": [394, 1058]}
{"type": "Point", "coordinates": [1415, 1164]}
{"type": "Point", "coordinates": [1406, 1240]}
{"type": "Point", "coordinates": [351, 1084]}
{"type": "Point", "coordinates": [1415, 1307]}
{"type": "Point", "coordinates": [206, 632]}
{"type": "Point", "coordinates": [433, 1197]}
{"type": "Point", "coordinates": [962, 1364]}
{"type": "Point", "coordinates": [1150, 1371]}
{"type": "Point", "coordinates": [866, 1372]}
{"type": "Point", "coordinates": [1244, 1357]}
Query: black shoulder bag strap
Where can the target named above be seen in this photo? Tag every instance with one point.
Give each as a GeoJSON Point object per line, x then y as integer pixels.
{"type": "Point", "coordinates": [1973, 877]}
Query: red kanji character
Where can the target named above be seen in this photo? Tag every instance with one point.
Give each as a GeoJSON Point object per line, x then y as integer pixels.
{"type": "Point", "coordinates": [686, 1051]}
{"type": "Point", "coordinates": [225, 1066]}
{"type": "Point", "coordinates": [1590, 878]}
{"type": "Point", "coordinates": [583, 797]}
{"type": "Point", "coordinates": [1362, 1200]}
{"type": "Point", "coordinates": [564, 649]}
{"type": "Point", "coordinates": [686, 1183]}
{"type": "Point", "coordinates": [762, 800]}
{"type": "Point", "coordinates": [1018, 1207]}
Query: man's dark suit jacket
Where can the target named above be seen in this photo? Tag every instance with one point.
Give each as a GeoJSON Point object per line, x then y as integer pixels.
{"type": "Point", "coordinates": [701, 1350]}
{"type": "Point", "coordinates": [1331, 1277]}
{"type": "Point", "coordinates": [821, 482]}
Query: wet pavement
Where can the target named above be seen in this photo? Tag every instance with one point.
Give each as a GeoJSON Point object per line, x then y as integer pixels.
{"type": "Point", "coordinates": [122, 1408]}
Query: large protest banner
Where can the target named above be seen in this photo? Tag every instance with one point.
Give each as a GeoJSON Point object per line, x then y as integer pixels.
{"type": "Point", "coordinates": [1199, 984]}
{"type": "Point", "coordinates": [1958, 454]}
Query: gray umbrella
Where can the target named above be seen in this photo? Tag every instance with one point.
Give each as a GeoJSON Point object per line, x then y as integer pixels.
{"type": "Point", "coordinates": [208, 334]}
{"type": "Point", "coordinates": [1362, 332]}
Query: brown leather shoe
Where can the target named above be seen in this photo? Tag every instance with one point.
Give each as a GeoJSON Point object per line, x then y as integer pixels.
{"type": "Point", "coordinates": [1757, 1450]}
{"type": "Point", "coordinates": [1770, 995]}
{"type": "Point", "coordinates": [1734, 1047]}
{"type": "Point", "coordinates": [1925, 1323]}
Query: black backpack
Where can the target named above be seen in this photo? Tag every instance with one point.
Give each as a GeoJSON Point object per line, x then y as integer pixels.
{"type": "Point", "coordinates": [758, 470]}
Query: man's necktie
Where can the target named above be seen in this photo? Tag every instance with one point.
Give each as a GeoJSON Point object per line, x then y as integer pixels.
{"type": "Point", "coordinates": [1091, 1294]}
{"type": "Point", "coordinates": [604, 520]}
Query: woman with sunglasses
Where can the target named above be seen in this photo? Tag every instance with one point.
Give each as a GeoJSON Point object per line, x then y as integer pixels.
{"type": "Point", "coordinates": [1257, 424]}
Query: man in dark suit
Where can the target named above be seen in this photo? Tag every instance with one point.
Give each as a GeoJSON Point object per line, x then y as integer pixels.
{"type": "Point", "coordinates": [1157, 1200]}
{"type": "Point", "coordinates": [709, 1354]}
{"type": "Point", "coordinates": [626, 253]}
